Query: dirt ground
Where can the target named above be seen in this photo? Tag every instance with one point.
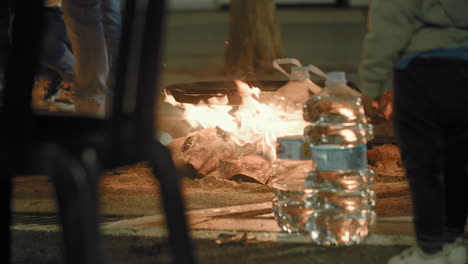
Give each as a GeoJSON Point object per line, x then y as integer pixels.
{"type": "Point", "coordinates": [392, 191]}
{"type": "Point", "coordinates": [133, 190]}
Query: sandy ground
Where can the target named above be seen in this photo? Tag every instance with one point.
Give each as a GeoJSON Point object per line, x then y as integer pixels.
{"type": "Point", "coordinates": [133, 190]}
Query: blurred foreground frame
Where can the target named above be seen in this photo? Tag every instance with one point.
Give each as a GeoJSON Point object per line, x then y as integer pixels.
{"type": "Point", "coordinates": [73, 149]}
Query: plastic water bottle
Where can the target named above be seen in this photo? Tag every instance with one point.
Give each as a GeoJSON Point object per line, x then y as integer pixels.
{"type": "Point", "coordinates": [299, 87]}
{"type": "Point", "coordinates": [337, 135]}
{"type": "Point", "coordinates": [293, 200]}
{"type": "Point", "coordinates": [292, 95]}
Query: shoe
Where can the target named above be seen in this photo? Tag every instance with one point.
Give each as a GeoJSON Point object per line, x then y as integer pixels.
{"type": "Point", "coordinates": [62, 101]}
{"type": "Point", "coordinates": [456, 252]}
{"type": "Point", "coordinates": [415, 255]}
{"type": "Point", "coordinates": [66, 101]}
{"type": "Point", "coordinates": [46, 84]}
{"type": "Point", "coordinates": [40, 97]}
{"type": "Point", "coordinates": [91, 106]}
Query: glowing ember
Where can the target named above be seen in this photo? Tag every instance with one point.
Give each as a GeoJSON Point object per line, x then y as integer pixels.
{"type": "Point", "coordinates": [252, 122]}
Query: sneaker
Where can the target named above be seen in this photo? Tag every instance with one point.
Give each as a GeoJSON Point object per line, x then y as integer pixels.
{"type": "Point", "coordinates": [414, 255]}
{"type": "Point", "coordinates": [62, 101]}
{"type": "Point", "coordinates": [91, 106]}
{"type": "Point", "coordinates": [66, 101]}
{"type": "Point", "coordinates": [40, 97]}
{"type": "Point", "coordinates": [456, 252]}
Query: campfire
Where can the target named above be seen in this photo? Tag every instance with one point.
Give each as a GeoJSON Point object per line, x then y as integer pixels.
{"type": "Point", "coordinates": [231, 141]}
{"type": "Point", "coordinates": [237, 141]}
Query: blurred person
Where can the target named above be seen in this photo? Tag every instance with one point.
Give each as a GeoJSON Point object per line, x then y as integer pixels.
{"type": "Point", "coordinates": [57, 53]}
{"type": "Point", "coordinates": [53, 80]}
{"type": "Point", "coordinates": [54, 83]}
{"type": "Point", "coordinates": [93, 27]}
{"type": "Point", "coordinates": [424, 43]}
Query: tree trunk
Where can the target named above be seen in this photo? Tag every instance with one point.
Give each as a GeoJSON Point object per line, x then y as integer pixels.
{"type": "Point", "coordinates": [254, 37]}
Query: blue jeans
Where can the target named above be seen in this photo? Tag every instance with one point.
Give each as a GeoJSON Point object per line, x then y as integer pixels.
{"type": "Point", "coordinates": [93, 27]}
{"type": "Point", "coordinates": [56, 47]}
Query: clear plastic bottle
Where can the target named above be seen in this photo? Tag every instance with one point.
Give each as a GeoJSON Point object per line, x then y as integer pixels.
{"type": "Point", "coordinates": [292, 95]}
{"type": "Point", "coordinates": [343, 212]}
{"type": "Point", "coordinates": [299, 87]}
{"type": "Point", "coordinates": [337, 135]}
{"type": "Point", "coordinates": [293, 200]}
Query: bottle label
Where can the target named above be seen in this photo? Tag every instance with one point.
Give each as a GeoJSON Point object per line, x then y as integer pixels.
{"type": "Point", "coordinates": [333, 157]}
{"type": "Point", "coordinates": [292, 147]}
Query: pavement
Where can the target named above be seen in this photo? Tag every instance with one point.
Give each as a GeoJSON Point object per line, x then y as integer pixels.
{"type": "Point", "coordinates": [227, 230]}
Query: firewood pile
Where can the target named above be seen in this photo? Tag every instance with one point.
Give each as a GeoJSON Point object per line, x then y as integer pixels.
{"type": "Point", "coordinates": [212, 153]}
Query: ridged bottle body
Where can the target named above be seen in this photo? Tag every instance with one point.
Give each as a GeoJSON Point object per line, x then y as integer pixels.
{"type": "Point", "coordinates": [293, 200]}
{"type": "Point", "coordinates": [337, 135]}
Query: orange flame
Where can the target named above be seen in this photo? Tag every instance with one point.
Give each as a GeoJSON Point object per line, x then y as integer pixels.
{"type": "Point", "coordinates": [251, 122]}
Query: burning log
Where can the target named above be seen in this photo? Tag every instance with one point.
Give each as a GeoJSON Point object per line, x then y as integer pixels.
{"type": "Point", "coordinates": [253, 166]}
{"type": "Point", "coordinates": [210, 150]}
{"type": "Point", "coordinates": [199, 147]}
{"type": "Point", "coordinates": [210, 166]}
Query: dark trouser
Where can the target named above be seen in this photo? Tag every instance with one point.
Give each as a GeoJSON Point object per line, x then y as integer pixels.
{"type": "Point", "coordinates": [56, 50]}
{"type": "Point", "coordinates": [431, 121]}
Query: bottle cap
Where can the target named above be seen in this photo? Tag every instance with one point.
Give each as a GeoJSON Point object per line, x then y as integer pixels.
{"type": "Point", "coordinates": [336, 77]}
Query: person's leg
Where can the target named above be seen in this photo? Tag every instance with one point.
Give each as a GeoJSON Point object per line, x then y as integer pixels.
{"type": "Point", "coordinates": [86, 32]}
{"type": "Point", "coordinates": [112, 21]}
{"type": "Point", "coordinates": [431, 119]}
{"type": "Point", "coordinates": [455, 171]}
{"type": "Point", "coordinates": [83, 19]}
{"type": "Point", "coordinates": [456, 162]}
{"type": "Point", "coordinates": [55, 52]}
{"type": "Point", "coordinates": [420, 136]}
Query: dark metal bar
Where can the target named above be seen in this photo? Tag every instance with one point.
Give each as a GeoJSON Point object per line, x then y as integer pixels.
{"type": "Point", "coordinates": [149, 67]}
{"type": "Point", "coordinates": [159, 155]}
{"type": "Point", "coordinates": [123, 58]}
{"type": "Point", "coordinates": [22, 62]}
{"type": "Point", "coordinates": [165, 171]}
{"type": "Point", "coordinates": [5, 217]}
{"type": "Point", "coordinates": [118, 124]}
{"type": "Point", "coordinates": [77, 195]}
{"type": "Point", "coordinates": [23, 57]}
